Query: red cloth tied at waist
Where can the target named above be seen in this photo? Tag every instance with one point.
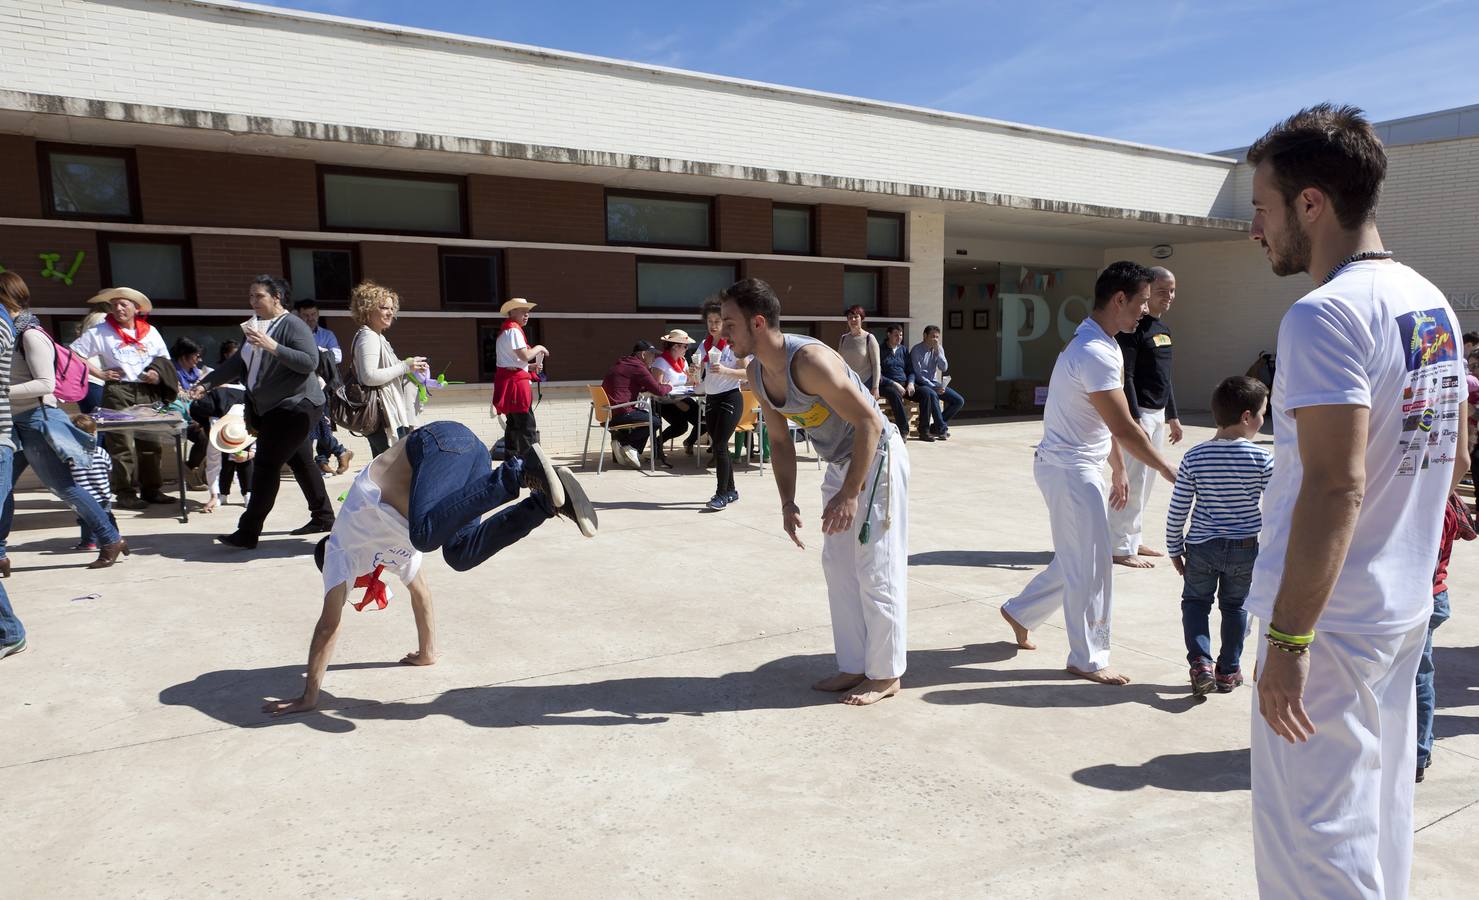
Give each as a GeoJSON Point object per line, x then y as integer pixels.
{"type": "Point", "coordinates": [374, 590]}
{"type": "Point", "coordinates": [512, 391]}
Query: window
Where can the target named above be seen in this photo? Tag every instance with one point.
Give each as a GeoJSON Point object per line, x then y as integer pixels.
{"type": "Point", "coordinates": [470, 278]}
{"type": "Point", "coordinates": [324, 273]}
{"type": "Point", "coordinates": [88, 183]}
{"type": "Point", "coordinates": [659, 220]}
{"type": "Point", "coordinates": [397, 203]}
{"type": "Point", "coordinates": [790, 228]}
{"type": "Point", "coordinates": [860, 288]}
{"type": "Point", "coordinates": [158, 266]}
{"type": "Point", "coordinates": [674, 285]}
{"type": "Point", "coordinates": [885, 235]}
{"type": "Point", "coordinates": [804, 329]}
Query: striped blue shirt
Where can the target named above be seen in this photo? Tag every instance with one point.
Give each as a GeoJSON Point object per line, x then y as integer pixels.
{"type": "Point", "coordinates": [1226, 480]}
{"type": "Point", "coordinates": [94, 479]}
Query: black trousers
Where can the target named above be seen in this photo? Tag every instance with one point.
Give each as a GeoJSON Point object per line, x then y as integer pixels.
{"type": "Point", "coordinates": [282, 437]}
{"type": "Point", "coordinates": [720, 416]}
{"type": "Point", "coordinates": [679, 421]}
{"type": "Point", "coordinates": [636, 438]}
{"type": "Point", "coordinates": [240, 471]}
{"type": "Point", "coordinates": [518, 433]}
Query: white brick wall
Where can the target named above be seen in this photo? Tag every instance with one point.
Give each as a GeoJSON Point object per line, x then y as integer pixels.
{"type": "Point", "coordinates": [178, 53]}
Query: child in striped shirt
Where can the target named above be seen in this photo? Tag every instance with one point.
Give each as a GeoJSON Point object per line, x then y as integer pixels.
{"type": "Point", "coordinates": [95, 480]}
{"type": "Point", "coordinates": [1225, 478]}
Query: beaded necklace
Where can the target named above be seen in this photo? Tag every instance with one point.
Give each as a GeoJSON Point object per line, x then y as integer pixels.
{"type": "Point", "coordinates": [1354, 258]}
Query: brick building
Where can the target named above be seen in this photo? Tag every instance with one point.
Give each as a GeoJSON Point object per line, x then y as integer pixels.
{"type": "Point", "coordinates": [145, 143]}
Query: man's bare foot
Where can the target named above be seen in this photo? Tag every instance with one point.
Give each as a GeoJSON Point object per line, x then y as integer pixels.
{"type": "Point", "coordinates": [1134, 562]}
{"type": "Point", "coordinates": [1146, 551]}
{"type": "Point", "coordinates": [1101, 676]}
{"type": "Point", "coordinates": [1023, 640]}
{"type": "Point", "coordinates": [417, 658]}
{"type": "Point", "coordinates": [842, 681]}
{"type": "Point", "coordinates": [870, 691]}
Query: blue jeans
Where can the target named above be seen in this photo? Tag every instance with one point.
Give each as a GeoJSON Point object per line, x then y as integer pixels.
{"type": "Point", "coordinates": [1229, 563]}
{"type": "Point", "coordinates": [893, 392]}
{"type": "Point", "coordinates": [453, 483]}
{"type": "Point", "coordinates": [11, 629]}
{"type": "Point", "coordinates": [1426, 698]}
{"type": "Point", "coordinates": [325, 444]}
{"type": "Point", "coordinates": [92, 400]}
{"type": "Point", "coordinates": [932, 417]}
{"type": "Point", "coordinates": [31, 429]}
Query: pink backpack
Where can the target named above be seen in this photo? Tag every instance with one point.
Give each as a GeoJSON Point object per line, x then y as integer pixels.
{"type": "Point", "coordinates": [71, 370]}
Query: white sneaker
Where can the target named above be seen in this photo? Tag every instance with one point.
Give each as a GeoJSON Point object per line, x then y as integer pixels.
{"type": "Point", "coordinates": [629, 457]}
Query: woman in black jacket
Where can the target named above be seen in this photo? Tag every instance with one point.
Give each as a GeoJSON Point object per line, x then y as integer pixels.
{"type": "Point", "coordinates": [284, 401]}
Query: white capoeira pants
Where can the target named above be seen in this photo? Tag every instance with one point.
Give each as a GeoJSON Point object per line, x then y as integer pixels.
{"type": "Point", "coordinates": [1125, 525]}
{"type": "Point", "coordinates": [867, 584]}
{"type": "Point", "coordinates": [1332, 817]}
{"type": "Point", "coordinates": [1078, 580]}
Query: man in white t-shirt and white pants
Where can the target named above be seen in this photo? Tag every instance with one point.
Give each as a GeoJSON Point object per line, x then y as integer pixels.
{"type": "Point", "coordinates": [1087, 420]}
{"type": "Point", "coordinates": [1368, 412]}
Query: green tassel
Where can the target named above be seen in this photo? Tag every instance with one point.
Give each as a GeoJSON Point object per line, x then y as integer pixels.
{"type": "Point", "coordinates": [864, 532]}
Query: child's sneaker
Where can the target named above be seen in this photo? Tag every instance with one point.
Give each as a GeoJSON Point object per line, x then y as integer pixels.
{"type": "Point", "coordinates": [1203, 681]}
{"type": "Point", "coordinates": [1228, 681]}
{"type": "Point", "coordinates": [84, 547]}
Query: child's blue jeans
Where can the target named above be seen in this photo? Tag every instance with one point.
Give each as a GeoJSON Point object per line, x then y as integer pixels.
{"type": "Point", "coordinates": [1220, 569]}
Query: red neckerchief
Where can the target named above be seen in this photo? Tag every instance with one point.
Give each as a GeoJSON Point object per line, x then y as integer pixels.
{"type": "Point", "coordinates": [141, 329]}
{"type": "Point", "coordinates": [677, 362]}
{"type": "Point", "coordinates": [510, 323]}
{"type": "Point", "coordinates": [374, 590]}
{"type": "Point", "coordinates": [709, 344]}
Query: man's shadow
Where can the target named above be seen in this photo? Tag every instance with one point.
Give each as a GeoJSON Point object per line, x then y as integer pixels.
{"type": "Point", "coordinates": [1213, 771]}
{"type": "Point", "coordinates": [196, 547]}
{"type": "Point", "coordinates": [1456, 682]}
{"type": "Point", "coordinates": [991, 559]}
{"type": "Point", "coordinates": [235, 696]}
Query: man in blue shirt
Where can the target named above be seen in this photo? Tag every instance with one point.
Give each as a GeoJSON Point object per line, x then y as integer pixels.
{"type": "Point", "coordinates": [325, 444]}
{"type": "Point", "coordinates": [929, 364]}
{"type": "Point", "coordinates": [896, 376]}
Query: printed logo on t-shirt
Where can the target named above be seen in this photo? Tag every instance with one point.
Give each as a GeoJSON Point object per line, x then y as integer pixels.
{"type": "Point", "coordinates": [1427, 343]}
{"type": "Point", "coordinates": [811, 418]}
{"type": "Point", "coordinates": [1428, 337]}
{"type": "Point", "coordinates": [397, 558]}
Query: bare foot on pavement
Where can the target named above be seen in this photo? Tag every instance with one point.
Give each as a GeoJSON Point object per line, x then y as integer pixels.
{"type": "Point", "coordinates": [870, 691]}
{"type": "Point", "coordinates": [842, 681]}
{"type": "Point", "coordinates": [1102, 676]}
{"type": "Point", "coordinates": [1134, 562]}
{"type": "Point", "coordinates": [1023, 640]}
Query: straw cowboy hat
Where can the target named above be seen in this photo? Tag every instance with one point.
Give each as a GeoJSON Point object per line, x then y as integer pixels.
{"type": "Point", "coordinates": [230, 435]}
{"type": "Point", "coordinates": [677, 336]}
{"type": "Point", "coordinates": [516, 303]}
{"type": "Point", "coordinates": [138, 298]}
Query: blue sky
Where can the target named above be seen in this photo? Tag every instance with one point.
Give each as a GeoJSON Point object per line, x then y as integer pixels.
{"type": "Point", "coordinates": [1193, 75]}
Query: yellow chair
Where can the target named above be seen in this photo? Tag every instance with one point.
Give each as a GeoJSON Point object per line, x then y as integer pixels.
{"type": "Point", "coordinates": [750, 423]}
{"type": "Point", "coordinates": [601, 410]}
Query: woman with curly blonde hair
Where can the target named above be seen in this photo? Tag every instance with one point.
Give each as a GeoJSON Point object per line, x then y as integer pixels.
{"type": "Point", "coordinates": [373, 308]}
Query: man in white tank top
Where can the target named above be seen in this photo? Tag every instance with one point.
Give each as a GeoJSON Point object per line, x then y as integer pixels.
{"type": "Point", "coordinates": [865, 553]}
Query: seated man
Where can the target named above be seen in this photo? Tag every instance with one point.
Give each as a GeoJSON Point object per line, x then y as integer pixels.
{"type": "Point", "coordinates": [429, 491]}
{"type": "Point", "coordinates": [896, 377]}
{"type": "Point", "coordinates": [627, 381]}
{"type": "Point", "coordinates": [930, 365]}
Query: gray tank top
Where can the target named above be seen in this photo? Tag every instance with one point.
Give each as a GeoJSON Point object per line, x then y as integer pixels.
{"type": "Point", "coordinates": [831, 435]}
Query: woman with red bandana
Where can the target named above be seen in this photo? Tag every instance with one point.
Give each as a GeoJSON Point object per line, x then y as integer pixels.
{"type": "Point", "coordinates": [671, 368]}
{"type": "Point", "coordinates": [126, 345]}
{"type": "Point", "coordinates": [518, 366]}
{"type": "Point", "coordinates": [721, 373]}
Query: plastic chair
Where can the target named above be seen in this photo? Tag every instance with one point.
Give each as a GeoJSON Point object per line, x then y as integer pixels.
{"type": "Point", "coordinates": [750, 424]}
{"type": "Point", "coordinates": [601, 410]}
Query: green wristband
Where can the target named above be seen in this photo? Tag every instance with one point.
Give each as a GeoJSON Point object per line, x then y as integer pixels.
{"type": "Point", "coordinates": [1296, 639]}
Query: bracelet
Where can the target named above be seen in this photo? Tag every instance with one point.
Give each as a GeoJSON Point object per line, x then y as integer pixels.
{"type": "Point", "coordinates": [1302, 640]}
{"type": "Point", "coordinates": [1296, 649]}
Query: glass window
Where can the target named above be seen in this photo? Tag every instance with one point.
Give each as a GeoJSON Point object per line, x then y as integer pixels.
{"type": "Point", "coordinates": [790, 228]}
{"type": "Point", "coordinates": [90, 185]}
{"type": "Point", "coordinates": [860, 288]}
{"type": "Point", "coordinates": [355, 201]}
{"type": "Point", "coordinates": [681, 285]}
{"type": "Point", "coordinates": [470, 279]}
{"type": "Point", "coordinates": [802, 328]}
{"type": "Point", "coordinates": [659, 221]}
{"type": "Point", "coordinates": [324, 274]}
{"type": "Point", "coordinates": [885, 236]}
{"type": "Point", "coordinates": [154, 267]}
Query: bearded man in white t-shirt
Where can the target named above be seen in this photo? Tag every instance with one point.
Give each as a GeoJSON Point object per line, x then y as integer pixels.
{"type": "Point", "coordinates": [1368, 413]}
{"type": "Point", "coordinates": [1086, 422]}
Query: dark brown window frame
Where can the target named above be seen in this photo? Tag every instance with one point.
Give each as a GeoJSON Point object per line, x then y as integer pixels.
{"type": "Point", "coordinates": [637, 261]}
{"type": "Point", "coordinates": [903, 235]}
{"type": "Point", "coordinates": [811, 212]}
{"type": "Point", "coordinates": [44, 150]}
{"type": "Point", "coordinates": [459, 180]}
{"type": "Point", "coordinates": [187, 262]}
{"type": "Point", "coordinates": [877, 287]}
{"type": "Point", "coordinates": [499, 275]}
{"type": "Point", "coordinates": [355, 276]}
{"type": "Point", "coordinates": [656, 195]}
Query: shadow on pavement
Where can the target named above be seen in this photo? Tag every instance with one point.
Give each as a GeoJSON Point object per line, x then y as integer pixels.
{"type": "Point", "coordinates": [197, 547]}
{"type": "Point", "coordinates": [993, 559]}
{"type": "Point", "coordinates": [1214, 771]}
{"type": "Point", "coordinates": [1456, 682]}
{"type": "Point", "coordinates": [1068, 691]}
{"type": "Point", "coordinates": [235, 696]}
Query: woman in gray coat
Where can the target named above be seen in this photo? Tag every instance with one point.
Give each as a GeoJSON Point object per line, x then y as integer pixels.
{"type": "Point", "coordinates": [278, 365]}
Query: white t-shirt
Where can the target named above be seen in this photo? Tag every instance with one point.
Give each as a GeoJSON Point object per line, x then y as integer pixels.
{"type": "Point", "coordinates": [668, 374]}
{"type": "Point", "coordinates": [509, 340]}
{"type": "Point", "coordinates": [103, 342]}
{"type": "Point", "coordinates": [367, 533]}
{"type": "Point", "coordinates": [713, 382]}
{"type": "Point", "coordinates": [1074, 434]}
{"type": "Point", "coordinates": [1380, 336]}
